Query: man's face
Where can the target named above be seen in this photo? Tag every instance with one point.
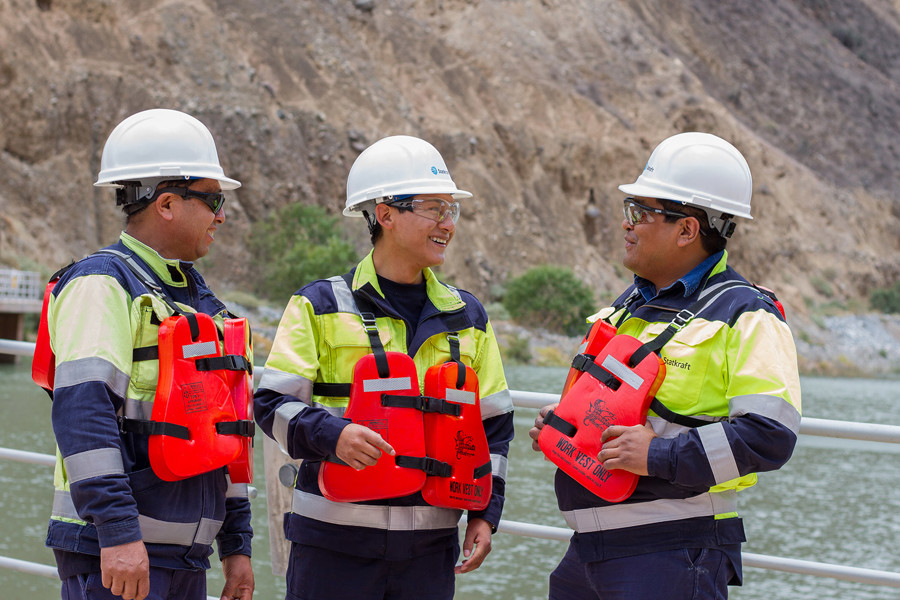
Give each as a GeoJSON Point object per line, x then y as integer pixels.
{"type": "Point", "coordinates": [195, 223]}
{"type": "Point", "coordinates": [419, 237]}
{"type": "Point", "coordinates": [649, 244]}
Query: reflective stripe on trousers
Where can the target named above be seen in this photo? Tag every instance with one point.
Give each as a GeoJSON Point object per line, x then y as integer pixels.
{"type": "Point", "coordinates": [392, 518]}
{"type": "Point", "coordinates": [618, 516]}
{"type": "Point", "coordinates": [153, 531]}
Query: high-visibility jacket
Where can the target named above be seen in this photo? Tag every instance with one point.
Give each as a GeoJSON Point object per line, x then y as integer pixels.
{"type": "Point", "coordinates": [106, 493]}
{"type": "Point", "coordinates": [319, 340]}
{"type": "Point", "coordinates": [733, 366]}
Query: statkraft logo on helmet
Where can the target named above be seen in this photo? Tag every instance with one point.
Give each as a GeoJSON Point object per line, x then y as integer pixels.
{"type": "Point", "coordinates": [436, 170]}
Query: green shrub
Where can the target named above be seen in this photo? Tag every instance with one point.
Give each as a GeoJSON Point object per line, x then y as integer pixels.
{"type": "Point", "coordinates": [295, 245]}
{"type": "Point", "coordinates": [549, 297]}
{"type": "Point", "coordinates": [886, 300]}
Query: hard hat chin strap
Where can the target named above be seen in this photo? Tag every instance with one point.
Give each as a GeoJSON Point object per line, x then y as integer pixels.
{"type": "Point", "coordinates": [371, 221]}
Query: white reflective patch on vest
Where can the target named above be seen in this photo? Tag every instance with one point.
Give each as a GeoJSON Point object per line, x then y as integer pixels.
{"type": "Point", "coordinates": [391, 384]}
{"type": "Point", "coordinates": [201, 349]}
{"type": "Point", "coordinates": [461, 396]}
{"type": "Point", "coordinates": [622, 372]}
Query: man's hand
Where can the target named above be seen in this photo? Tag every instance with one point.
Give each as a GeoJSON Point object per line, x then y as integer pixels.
{"type": "Point", "coordinates": [478, 533]}
{"type": "Point", "coordinates": [125, 570]}
{"type": "Point", "coordinates": [626, 448]}
{"type": "Point", "coordinates": [239, 582]}
{"type": "Point", "coordinates": [360, 447]}
{"type": "Point", "coordinates": [538, 425]}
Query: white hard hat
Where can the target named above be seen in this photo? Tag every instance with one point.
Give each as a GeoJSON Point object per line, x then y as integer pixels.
{"type": "Point", "coordinates": [399, 165]}
{"type": "Point", "coordinates": [699, 169]}
{"type": "Point", "coordinates": [160, 144]}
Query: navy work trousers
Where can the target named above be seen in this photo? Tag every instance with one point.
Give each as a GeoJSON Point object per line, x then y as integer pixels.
{"type": "Point", "coordinates": [684, 574]}
{"type": "Point", "coordinates": [320, 574]}
{"type": "Point", "coordinates": [165, 584]}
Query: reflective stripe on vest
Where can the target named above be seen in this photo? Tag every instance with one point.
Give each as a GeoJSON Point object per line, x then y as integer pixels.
{"type": "Point", "coordinates": [153, 531]}
{"type": "Point", "coordinates": [499, 466]}
{"type": "Point", "coordinates": [392, 518]}
{"type": "Point", "coordinates": [618, 516]}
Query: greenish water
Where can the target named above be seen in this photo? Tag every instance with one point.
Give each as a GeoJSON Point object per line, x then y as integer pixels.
{"type": "Point", "coordinates": [835, 501]}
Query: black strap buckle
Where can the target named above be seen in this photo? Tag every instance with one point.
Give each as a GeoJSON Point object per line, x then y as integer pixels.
{"type": "Point", "coordinates": [245, 428]}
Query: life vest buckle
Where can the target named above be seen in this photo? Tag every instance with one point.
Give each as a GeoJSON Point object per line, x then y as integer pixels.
{"type": "Point", "coordinates": [681, 319]}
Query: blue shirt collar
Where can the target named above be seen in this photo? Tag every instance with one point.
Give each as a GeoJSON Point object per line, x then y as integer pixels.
{"type": "Point", "coordinates": [691, 281]}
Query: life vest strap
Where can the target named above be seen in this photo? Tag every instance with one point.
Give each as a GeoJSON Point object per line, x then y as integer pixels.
{"type": "Point", "coordinates": [332, 390]}
{"type": "Point", "coordinates": [423, 403]}
{"type": "Point", "coordinates": [483, 470]}
{"type": "Point", "coordinates": [560, 424]}
{"type": "Point", "coordinates": [245, 428]}
{"type": "Point", "coordinates": [585, 363]}
{"type": "Point", "coordinates": [431, 466]}
{"type": "Point", "coordinates": [673, 417]}
{"type": "Point", "coordinates": [143, 427]}
{"type": "Point", "coordinates": [145, 353]}
{"type": "Point", "coordinates": [229, 362]}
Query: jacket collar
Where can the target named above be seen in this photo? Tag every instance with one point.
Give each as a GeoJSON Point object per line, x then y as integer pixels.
{"type": "Point", "coordinates": [444, 297]}
{"type": "Point", "coordinates": [713, 264]}
{"type": "Point", "coordinates": [170, 271]}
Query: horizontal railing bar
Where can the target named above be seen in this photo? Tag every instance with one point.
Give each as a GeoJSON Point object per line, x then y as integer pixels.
{"type": "Point", "coordinates": [28, 457]}
{"type": "Point", "coordinates": [23, 566]}
{"type": "Point", "coordinates": [805, 567]}
{"type": "Point", "coordinates": [16, 348]}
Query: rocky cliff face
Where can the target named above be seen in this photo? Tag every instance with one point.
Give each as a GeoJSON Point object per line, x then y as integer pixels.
{"type": "Point", "coordinates": [541, 108]}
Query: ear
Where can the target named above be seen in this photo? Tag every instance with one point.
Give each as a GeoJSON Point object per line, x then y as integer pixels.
{"type": "Point", "coordinates": [164, 206]}
{"type": "Point", "coordinates": [385, 216]}
{"type": "Point", "coordinates": [688, 231]}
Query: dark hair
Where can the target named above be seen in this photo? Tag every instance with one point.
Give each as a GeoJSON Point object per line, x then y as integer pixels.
{"type": "Point", "coordinates": [711, 239]}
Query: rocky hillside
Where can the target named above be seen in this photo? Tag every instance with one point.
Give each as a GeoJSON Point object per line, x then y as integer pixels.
{"type": "Point", "coordinates": [540, 107]}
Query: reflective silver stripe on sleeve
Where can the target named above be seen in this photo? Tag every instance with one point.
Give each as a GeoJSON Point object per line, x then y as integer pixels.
{"type": "Point", "coordinates": [199, 349]}
{"type": "Point", "coordinates": [460, 396]}
{"type": "Point", "coordinates": [343, 295]}
{"type": "Point", "coordinates": [772, 407]}
{"type": "Point", "coordinates": [63, 506]}
{"type": "Point", "coordinates": [237, 490]}
{"type": "Point", "coordinates": [499, 466]}
{"type": "Point", "coordinates": [391, 384]}
{"type": "Point", "coordinates": [283, 416]}
{"type": "Point", "coordinates": [154, 531]}
{"type": "Point", "coordinates": [718, 452]}
{"type": "Point", "coordinates": [618, 516]}
{"type": "Point", "coordinates": [286, 383]}
{"type": "Point", "coordinates": [392, 518]}
{"type": "Point", "coordinates": [138, 409]}
{"type": "Point", "coordinates": [622, 372]}
{"type": "Point", "coordinates": [86, 370]}
{"type": "Point", "coordinates": [94, 463]}
{"type": "Point", "coordinates": [496, 404]}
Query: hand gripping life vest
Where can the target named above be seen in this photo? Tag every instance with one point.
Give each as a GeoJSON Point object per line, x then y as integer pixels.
{"type": "Point", "coordinates": [614, 393]}
{"type": "Point", "coordinates": [240, 383]}
{"type": "Point", "coordinates": [458, 440]}
{"type": "Point", "coordinates": [384, 400]}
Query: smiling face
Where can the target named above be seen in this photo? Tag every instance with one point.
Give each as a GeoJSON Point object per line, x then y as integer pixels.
{"type": "Point", "coordinates": [193, 223]}
{"type": "Point", "coordinates": [650, 245]}
{"type": "Point", "coordinates": [411, 242]}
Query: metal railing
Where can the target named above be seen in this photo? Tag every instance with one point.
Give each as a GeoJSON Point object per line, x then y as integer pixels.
{"type": "Point", "coordinates": [523, 399]}
{"type": "Point", "coordinates": [21, 285]}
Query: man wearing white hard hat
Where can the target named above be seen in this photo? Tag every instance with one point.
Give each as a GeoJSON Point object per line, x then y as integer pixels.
{"type": "Point", "coordinates": [413, 366]}
{"type": "Point", "coordinates": [133, 516]}
{"type": "Point", "coordinates": [728, 405]}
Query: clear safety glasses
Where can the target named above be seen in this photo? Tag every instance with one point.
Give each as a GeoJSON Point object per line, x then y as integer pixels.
{"type": "Point", "coordinates": [637, 213]}
{"type": "Point", "coordinates": [435, 209]}
{"type": "Point", "coordinates": [214, 200]}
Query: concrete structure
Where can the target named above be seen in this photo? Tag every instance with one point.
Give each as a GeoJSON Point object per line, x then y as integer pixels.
{"type": "Point", "coordinates": [21, 293]}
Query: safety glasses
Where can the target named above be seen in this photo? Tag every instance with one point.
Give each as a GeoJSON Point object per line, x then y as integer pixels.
{"type": "Point", "coordinates": [637, 213]}
{"type": "Point", "coordinates": [434, 209]}
{"type": "Point", "coordinates": [214, 200]}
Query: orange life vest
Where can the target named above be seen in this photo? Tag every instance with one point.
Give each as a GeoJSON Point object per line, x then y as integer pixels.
{"type": "Point", "coordinates": [400, 425]}
{"type": "Point", "coordinates": [43, 365]}
{"type": "Point", "coordinates": [459, 441]}
{"type": "Point", "coordinates": [194, 401]}
{"type": "Point", "coordinates": [614, 394]}
{"type": "Point", "coordinates": [240, 382]}
{"type": "Point", "coordinates": [596, 338]}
